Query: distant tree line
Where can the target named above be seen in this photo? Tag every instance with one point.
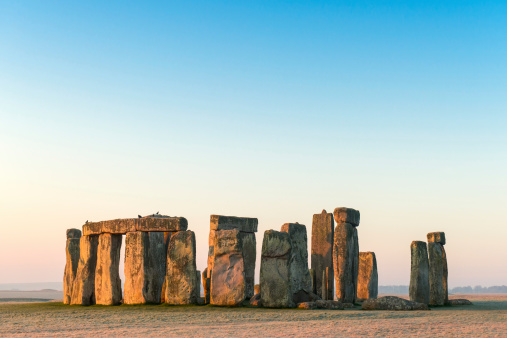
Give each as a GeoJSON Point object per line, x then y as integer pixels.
{"type": "Point", "coordinates": [403, 289]}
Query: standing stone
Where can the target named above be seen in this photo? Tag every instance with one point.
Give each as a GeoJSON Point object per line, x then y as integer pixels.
{"type": "Point", "coordinates": [167, 238]}
{"type": "Point", "coordinates": [83, 290]}
{"type": "Point", "coordinates": [300, 274]}
{"type": "Point", "coordinates": [71, 263]}
{"type": "Point", "coordinates": [107, 274]}
{"type": "Point", "coordinates": [356, 260]}
{"type": "Point", "coordinates": [436, 274]}
{"type": "Point", "coordinates": [419, 289]}
{"type": "Point", "coordinates": [275, 278]}
{"type": "Point", "coordinates": [211, 251]}
{"type": "Point", "coordinates": [346, 215]}
{"type": "Point", "coordinates": [249, 252]}
{"type": "Point", "coordinates": [436, 237]}
{"type": "Point", "coordinates": [197, 289]}
{"type": "Point", "coordinates": [181, 277]}
{"type": "Point", "coordinates": [446, 273]}
{"type": "Point", "coordinates": [206, 283]}
{"type": "Point", "coordinates": [312, 276]}
{"type": "Point", "coordinates": [344, 253]}
{"type": "Point", "coordinates": [228, 285]}
{"type": "Point", "coordinates": [322, 250]}
{"type": "Point", "coordinates": [158, 263]}
{"type": "Point", "coordinates": [325, 286]}
{"type": "Point", "coordinates": [367, 282]}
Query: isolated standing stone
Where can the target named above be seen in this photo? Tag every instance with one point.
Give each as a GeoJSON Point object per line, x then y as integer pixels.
{"type": "Point", "coordinates": [275, 278]}
{"type": "Point", "coordinates": [181, 277]}
{"type": "Point", "coordinates": [344, 253]}
{"type": "Point", "coordinates": [367, 282]}
{"type": "Point", "coordinates": [300, 274]}
{"type": "Point", "coordinates": [71, 263]}
{"type": "Point", "coordinates": [419, 289]}
{"type": "Point", "coordinates": [322, 250]}
{"type": "Point", "coordinates": [107, 274]}
{"type": "Point", "coordinates": [83, 290]}
{"type": "Point", "coordinates": [346, 215]}
{"type": "Point", "coordinates": [436, 274]}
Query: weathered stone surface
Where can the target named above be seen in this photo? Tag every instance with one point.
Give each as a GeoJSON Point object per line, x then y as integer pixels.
{"type": "Point", "coordinates": [348, 305]}
{"type": "Point", "coordinates": [393, 304]}
{"type": "Point", "coordinates": [197, 289]}
{"type": "Point", "coordinates": [161, 223]}
{"type": "Point", "coordinates": [313, 297]}
{"type": "Point", "coordinates": [257, 289]}
{"type": "Point", "coordinates": [329, 304]}
{"type": "Point", "coordinates": [144, 271]}
{"type": "Point", "coordinates": [344, 252]}
{"type": "Point", "coordinates": [228, 284]}
{"type": "Point", "coordinates": [312, 277]}
{"type": "Point", "coordinates": [71, 263]}
{"type": "Point", "coordinates": [307, 305]}
{"type": "Point", "coordinates": [124, 225]}
{"type": "Point", "coordinates": [249, 252]}
{"type": "Point", "coordinates": [367, 282]}
{"type": "Point", "coordinates": [275, 275]}
{"type": "Point", "coordinates": [346, 215]}
{"type": "Point", "coordinates": [181, 269]}
{"type": "Point", "coordinates": [436, 237]}
{"type": "Point", "coordinates": [419, 289]}
{"type": "Point", "coordinates": [256, 300]}
{"type": "Point", "coordinates": [300, 274]}
{"type": "Point", "coordinates": [83, 289]}
{"type": "Point", "coordinates": [445, 275]}
{"type": "Point", "coordinates": [167, 238]}
{"type": "Point", "coordinates": [107, 274]}
{"type": "Point", "coordinates": [325, 286]}
{"type": "Point", "coordinates": [459, 302]}
{"type": "Point", "coordinates": [244, 224]}
{"type": "Point", "coordinates": [322, 250]}
{"type": "Point", "coordinates": [114, 226]}
{"type": "Point", "coordinates": [356, 261]}
{"type": "Point", "coordinates": [206, 283]}
{"type": "Point", "coordinates": [436, 274]}
{"type": "Point", "coordinates": [211, 251]}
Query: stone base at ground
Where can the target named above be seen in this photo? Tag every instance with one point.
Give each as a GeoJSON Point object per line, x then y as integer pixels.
{"type": "Point", "coordinates": [393, 304]}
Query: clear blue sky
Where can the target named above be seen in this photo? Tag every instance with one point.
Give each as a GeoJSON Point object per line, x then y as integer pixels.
{"type": "Point", "coordinates": [267, 109]}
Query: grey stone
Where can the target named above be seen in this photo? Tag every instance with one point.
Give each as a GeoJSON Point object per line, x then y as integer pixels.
{"type": "Point", "coordinates": [436, 274]}
{"type": "Point", "coordinates": [71, 264]}
{"type": "Point", "coordinates": [322, 250]}
{"type": "Point", "coordinates": [329, 304]}
{"type": "Point", "coordinates": [83, 289]}
{"type": "Point", "coordinates": [445, 275]}
{"type": "Point", "coordinates": [344, 264]}
{"type": "Point", "coordinates": [249, 252]}
{"type": "Point", "coordinates": [167, 238]}
{"type": "Point", "coordinates": [206, 283]}
{"type": "Point", "coordinates": [419, 289]}
{"type": "Point", "coordinates": [244, 224]}
{"type": "Point", "coordinates": [367, 282]}
{"type": "Point", "coordinates": [459, 302]}
{"type": "Point", "coordinates": [356, 261]}
{"type": "Point", "coordinates": [107, 274]}
{"type": "Point", "coordinates": [73, 233]}
{"type": "Point", "coordinates": [312, 276]}
{"type": "Point", "coordinates": [393, 304]}
{"type": "Point", "coordinates": [124, 225]}
{"type": "Point", "coordinates": [197, 289]}
{"type": "Point", "coordinates": [346, 215]}
{"type": "Point", "coordinates": [436, 237]}
{"type": "Point", "coordinates": [275, 278]}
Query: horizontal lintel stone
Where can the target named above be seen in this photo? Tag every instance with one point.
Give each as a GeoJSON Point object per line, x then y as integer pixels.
{"type": "Point", "coordinates": [124, 225]}
{"type": "Point", "coordinates": [244, 224]}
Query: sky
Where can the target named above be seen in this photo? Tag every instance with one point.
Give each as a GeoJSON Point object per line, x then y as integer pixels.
{"type": "Point", "coordinates": [267, 109]}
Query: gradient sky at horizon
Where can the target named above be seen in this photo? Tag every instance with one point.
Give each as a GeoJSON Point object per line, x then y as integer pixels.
{"type": "Point", "coordinates": [268, 109]}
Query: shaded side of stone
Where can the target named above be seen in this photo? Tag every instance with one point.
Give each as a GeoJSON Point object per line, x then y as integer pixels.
{"type": "Point", "coordinates": [367, 282]}
{"type": "Point", "coordinates": [436, 274]}
{"type": "Point", "coordinates": [73, 233]}
{"type": "Point", "coordinates": [249, 252]}
{"type": "Point", "coordinates": [167, 238]}
{"type": "Point", "coordinates": [329, 304]}
{"type": "Point", "coordinates": [393, 304]}
{"type": "Point", "coordinates": [344, 253]}
{"type": "Point", "coordinates": [458, 302]}
{"type": "Point", "coordinates": [445, 275]}
{"type": "Point", "coordinates": [419, 289]}
{"type": "Point", "coordinates": [124, 225]}
{"type": "Point", "coordinates": [436, 237]}
{"type": "Point", "coordinates": [322, 250]}
{"type": "Point", "coordinates": [157, 256]}
{"type": "Point", "coordinates": [307, 305]}
{"type": "Point", "coordinates": [346, 215]}
{"type": "Point", "coordinates": [245, 224]}
{"type": "Point", "coordinates": [83, 289]}
{"type": "Point", "coordinates": [107, 274]}
{"type": "Point", "coordinates": [136, 267]}
{"type": "Point", "coordinates": [356, 261]}
{"type": "Point", "coordinates": [71, 264]}
{"type": "Point", "coordinates": [206, 283]}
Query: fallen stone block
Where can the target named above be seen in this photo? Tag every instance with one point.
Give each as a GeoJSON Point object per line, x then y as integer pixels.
{"type": "Point", "coordinates": [458, 302]}
{"type": "Point", "coordinates": [393, 304]}
{"type": "Point", "coordinates": [346, 215]}
{"type": "Point", "coordinates": [329, 304]}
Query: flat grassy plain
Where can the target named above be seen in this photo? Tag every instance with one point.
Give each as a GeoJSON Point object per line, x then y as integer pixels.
{"type": "Point", "coordinates": [487, 317]}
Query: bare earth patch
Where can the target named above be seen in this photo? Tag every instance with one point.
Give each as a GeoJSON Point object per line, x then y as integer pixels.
{"type": "Point", "coordinates": [488, 317]}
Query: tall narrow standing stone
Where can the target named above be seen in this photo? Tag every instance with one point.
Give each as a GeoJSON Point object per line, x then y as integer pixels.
{"type": "Point", "coordinates": [439, 237]}
{"type": "Point", "coordinates": [206, 281]}
{"type": "Point", "coordinates": [167, 238]}
{"type": "Point", "coordinates": [71, 263]}
{"type": "Point", "coordinates": [356, 261]}
{"type": "Point", "coordinates": [275, 278]}
{"type": "Point", "coordinates": [322, 250]}
{"type": "Point", "coordinates": [83, 290]}
{"type": "Point", "coordinates": [367, 282]}
{"type": "Point", "coordinates": [344, 252]}
{"type": "Point", "coordinates": [419, 289]}
{"type": "Point", "coordinates": [249, 252]}
{"type": "Point", "coordinates": [181, 277]}
{"type": "Point", "coordinates": [436, 273]}
{"type": "Point", "coordinates": [107, 274]}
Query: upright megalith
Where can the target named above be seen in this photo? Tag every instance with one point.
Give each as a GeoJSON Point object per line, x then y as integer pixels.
{"type": "Point", "coordinates": [107, 276]}
{"type": "Point", "coordinates": [439, 237]}
{"type": "Point", "coordinates": [419, 290]}
{"type": "Point", "coordinates": [228, 285]}
{"type": "Point", "coordinates": [71, 263]}
{"type": "Point", "coordinates": [343, 260]}
{"type": "Point", "coordinates": [83, 289]}
{"type": "Point", "coordinates": [300, 274]}
{"type": "Point", "coordinates": [181, 276]}
{"type": "Point", "coordinates": [275, 275]}
{"type": "Point", "coordinates": [322, 251]}
{"type": "Point", "coordinates": [367, 282]}
{"type": "Point", "coordinates": [436, 274]}
{"type": "Point", "coordinates": [206, 283]}
{"type": "Point", "coordinates": [346, 215]}
{"type": "Point", "coordinates": [249, 252]}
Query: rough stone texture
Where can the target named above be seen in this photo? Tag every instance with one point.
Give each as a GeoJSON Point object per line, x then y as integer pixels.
{"type": "Point", "coordinates": [307, 305]}
{"type": "Point", "coordinates": [124, 225]}
{"type": "Point", "coordinates": [419, 290]}
{"type": "Point", "coordinates": [348, 305]}
{"type": "Point", "coordinates": [83, 289]}
{"type": "Point", "coordinates": [107, 273]}
{"type": "Point", "coordinates": [167, 238]}
{"type": "Point", "coordinates": [144, 259]}
{"type": "Point", "coordinates": [256, 300]}
{"type": "Point", "coordinates": [275, 278]}
{"type": "Point", "coordinates": [300, 275]}
{"type": "Point", "coordinates": [322, 250]}
{"type": "Point", "coordinates": [393, 304]}
{"type": "Point", "coordinates": [257, 289]}
{"type": "Point", "coordinates": [346, 215]}
{"type": "Point", "coordinates": [356, 261]}
{"type": "Point", "coordinates": [181, 274]}
{"type": "Point", "coordinates": [458, 302]}
{"type": "Point", "coordinates": [312, 277]}
{"type": "Point", "coordinates": [249, 252]}
{"type": "Point", "coordinates": [206, 283]}
{"type": "Point", "coordinates": [436, 274]}
{"type": "Point", "coordinates": [211, 251]}
{"type": "Point", "coordinates": [344, 252]}
{"type": "Point", "coordinates": [244, 224]}
{"type": "Point", "coordinates": [197, 289]}
{"type": "Point", "coordinates": [228, 285]}
{"type": "Point", "coordinates": [367, 282]}
{"type": "Point", "coordinates": [436, 237]}
{"type": "Point", "coordinates": [445, 275]}
{"type": "Point", "coordinates": [71, 263]}
{"type": "Point", "coordinates": [329, 304]}
{"type": "Point", "coordinates": [325, 287]}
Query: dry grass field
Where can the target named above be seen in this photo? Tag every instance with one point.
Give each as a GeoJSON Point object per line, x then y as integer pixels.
{"type": "Point", "coordinates": [487, 317]}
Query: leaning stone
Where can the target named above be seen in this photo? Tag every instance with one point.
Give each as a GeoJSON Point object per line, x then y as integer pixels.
{"type": "Point", "coordinates": [322, 251]}
{"type": "Point", "coordinates": [300, 275]}
{"type": "Point", "coordinates": [313, 297]}
{"type": "Point", "coordinates": [393, 304]}
{"type": "Point", "coordinates": [83, 289]}
{"type": "Point", "coordinates": [107, 274]}
{"type": "Point", "coordinates": [244, 224]}
{"type": "Point", "coordinates": [458, 302]}
{"type": "Point", "coordinates": [249, 252]}
{"type": "Point", "coordinates": [343, 252]}
{"type": "Point", "coordinates": [346, 215]}
{"type": "Point", "coordinates": [181, 269]}
{"type": "Point", "coordinates": [329, 304]}
{"type": "Point", "coordinates": [367, 282]}
{"type": "Point", "coordinates": [419, 289]}
{"type": "Point", "coordinates": [256, 300]}
{"type": "Point", "coordinates": [275, 278]}
{"type": "Point", "coordinates": [71, 263]}
{"type": "Point", "coordinates": [307, 305]}
{"type": "Point", "coordinates": [436, 274]}
{"type": "Point", "coordinates": [436, 237]}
